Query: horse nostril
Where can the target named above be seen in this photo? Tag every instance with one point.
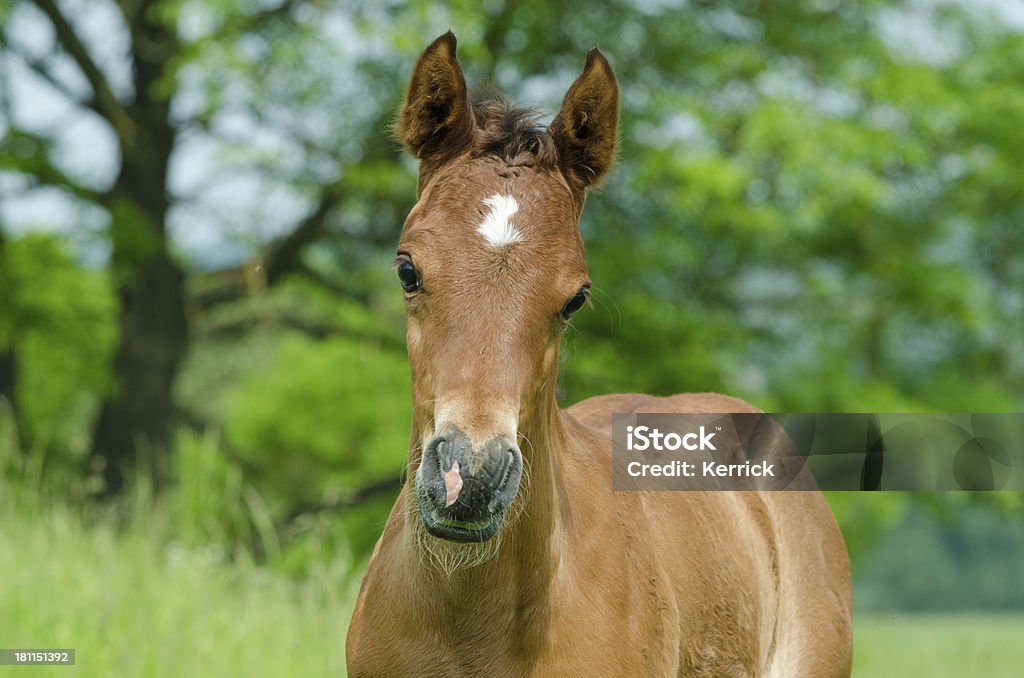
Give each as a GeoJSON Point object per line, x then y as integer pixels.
{"type": "Point", "coordinates": [509, 464]}
{"type": "Point", "coordinates": [439, 449]}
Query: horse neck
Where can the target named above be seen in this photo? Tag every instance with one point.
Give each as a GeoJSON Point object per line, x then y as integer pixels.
{"type": "Point", "coordinates": [535, 527]}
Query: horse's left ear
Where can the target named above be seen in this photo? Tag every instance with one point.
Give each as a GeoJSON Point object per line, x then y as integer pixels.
{"type": "Point", "coordinates": [586, 130]}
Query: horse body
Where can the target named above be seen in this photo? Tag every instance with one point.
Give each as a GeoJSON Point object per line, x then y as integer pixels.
{"type": "Point", "coordinates": [507, 552]}
{"type": "Point", "coordinates": [628, 584]}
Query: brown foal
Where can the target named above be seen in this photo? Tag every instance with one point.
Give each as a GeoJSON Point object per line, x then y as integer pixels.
{"type": "Point", "coordinates": [507, 552]}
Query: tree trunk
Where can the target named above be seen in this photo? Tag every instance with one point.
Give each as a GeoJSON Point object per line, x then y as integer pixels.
{"type": "Point", "coordinates": [8, 396]}
{"type": "Point", "coordinates": [136, 422]}
{"type": "Point", "coordinates": [8, 358]}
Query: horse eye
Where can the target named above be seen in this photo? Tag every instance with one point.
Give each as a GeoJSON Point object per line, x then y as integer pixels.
{"type": "Point", "coordinates": [408, 276]}
{"type": "Point", "coordinates": [575, 303]}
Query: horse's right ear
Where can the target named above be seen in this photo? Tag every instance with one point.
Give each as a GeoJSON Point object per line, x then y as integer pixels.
{"type": "Point", "coordinates": [436, 118]}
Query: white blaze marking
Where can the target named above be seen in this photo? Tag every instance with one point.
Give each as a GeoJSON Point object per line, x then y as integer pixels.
{"type": "Point", "coordinates": [497, 227]}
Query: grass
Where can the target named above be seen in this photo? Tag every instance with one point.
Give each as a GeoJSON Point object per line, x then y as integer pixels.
{"type": "Point", "coordinates": [134, 605]}
{"type": "Point", "coordinates": [901, 645]}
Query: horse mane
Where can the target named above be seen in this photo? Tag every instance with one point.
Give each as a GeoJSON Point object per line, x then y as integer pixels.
{"type": "Point", "coordinates": [511, 133]}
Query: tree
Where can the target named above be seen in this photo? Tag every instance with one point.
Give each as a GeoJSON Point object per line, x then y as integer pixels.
{"type": "Point", "coordinates": [153, 332]}
{"type": "Point", "coordinates": [137, 417]}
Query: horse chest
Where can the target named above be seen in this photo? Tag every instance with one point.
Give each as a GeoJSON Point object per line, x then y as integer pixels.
{"type": "Point", "coordinates": [586, 634]}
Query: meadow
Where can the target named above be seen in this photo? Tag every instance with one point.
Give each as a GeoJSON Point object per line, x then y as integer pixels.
{"type": "Point", "coordinates": [900, 645]}
{"type": "Point", "coordinates": [132, 603]}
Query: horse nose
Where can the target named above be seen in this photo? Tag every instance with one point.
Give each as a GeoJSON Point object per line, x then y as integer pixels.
{"type": "Point", "coordinates": [468, 484]}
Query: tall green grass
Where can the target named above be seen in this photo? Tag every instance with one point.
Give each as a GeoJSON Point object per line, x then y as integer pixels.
{"type": "Point", "coordinates": [133, 604]}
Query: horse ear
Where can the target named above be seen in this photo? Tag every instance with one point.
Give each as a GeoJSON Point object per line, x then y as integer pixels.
{"type": "Point", "coordinates": [436, 117]}
{"type": "Point", "coordinates": [586, 130]}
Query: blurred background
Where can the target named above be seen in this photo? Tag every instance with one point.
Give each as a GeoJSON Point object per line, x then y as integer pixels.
{"type": "Point", "coordinates": [204, 398]}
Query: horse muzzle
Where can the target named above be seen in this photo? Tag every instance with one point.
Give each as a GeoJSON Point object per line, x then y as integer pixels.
{"type": "Point", "coordinates": [464, 491]}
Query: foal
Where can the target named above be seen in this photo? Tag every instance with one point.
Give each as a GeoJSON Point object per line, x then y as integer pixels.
{"type": "Point", "coordinates": [507, 552]}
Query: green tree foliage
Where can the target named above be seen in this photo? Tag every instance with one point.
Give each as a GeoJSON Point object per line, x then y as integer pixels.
{"type": "Point", "coordinates": [802, 237]}
{"type": "Point", "coordinates": [60, 322]}
{"type": "Point", "coordinates": [339, 430]}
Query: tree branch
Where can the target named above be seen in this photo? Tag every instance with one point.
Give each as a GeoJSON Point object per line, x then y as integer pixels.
{"type": "Point", "coordinates": [324, 281]}
{"type": "Point", "coordinates": [386, 485]}
{"type": "Point", "coordinates": [39, 67]}
{"type": "Point", "coordinates": [27, 154]}
{"type": "Point", "coordinates": [381, 487]}
{"type": "Point", "coordinates": [315, 328]}
{"type": "Point", "coordinates": [106, 102]}
{"type": "Point", "coordinates": [282, 257]}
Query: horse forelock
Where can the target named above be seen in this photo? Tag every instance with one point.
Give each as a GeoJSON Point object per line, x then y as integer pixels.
{"type": "Point", "coordinates": [511, 133]}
